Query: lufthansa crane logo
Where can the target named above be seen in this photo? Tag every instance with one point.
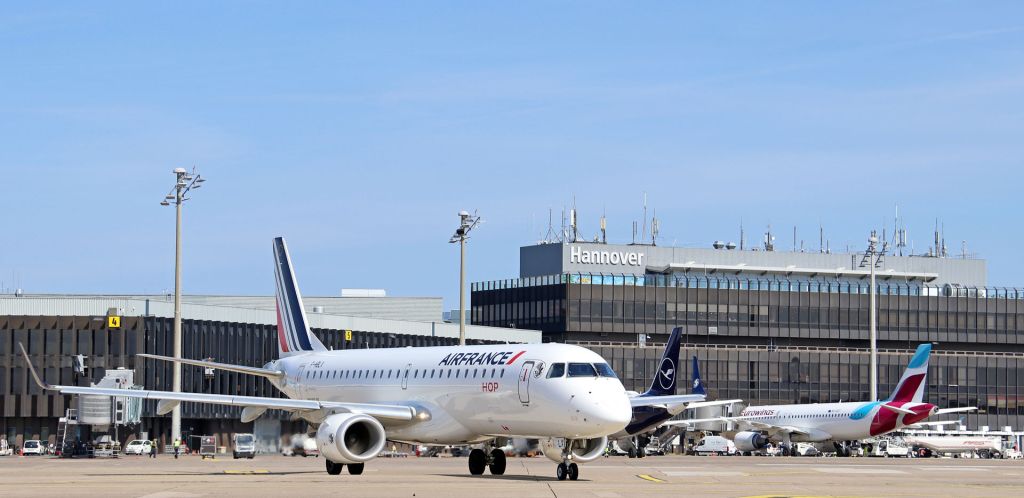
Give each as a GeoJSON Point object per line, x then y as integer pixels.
{"type": "Point", "coordinates": [330, 438]}
{"type": "Point", "coordinates": [667, 373]}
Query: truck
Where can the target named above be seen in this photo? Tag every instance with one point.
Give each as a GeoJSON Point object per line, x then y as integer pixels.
{"type": "Point", "coordinates": [243, 445]}
{"type": "Point", "coordinates": [980, 446]}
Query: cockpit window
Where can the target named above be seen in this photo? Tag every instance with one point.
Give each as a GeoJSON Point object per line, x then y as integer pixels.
{"type": "Point", "coordinates": [557, 370]}
{"type": "Point", "coordinates": [582, 370]}
{"type": "Point", "coordinates": [604, 370]}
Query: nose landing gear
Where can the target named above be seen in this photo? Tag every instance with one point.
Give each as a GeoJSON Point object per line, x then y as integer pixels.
{"type": "Point", "coordinates": [567, 468]}
{"type": "Point", "coordinates": [571, 471]}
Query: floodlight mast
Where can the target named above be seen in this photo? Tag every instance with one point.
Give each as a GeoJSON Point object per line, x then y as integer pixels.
{"type": "Point", "coordinates": [872, 258]}
{"type": "Point", "coordinates": [184, 182]}
{"type": "Point", "coordinates": [467, 223]}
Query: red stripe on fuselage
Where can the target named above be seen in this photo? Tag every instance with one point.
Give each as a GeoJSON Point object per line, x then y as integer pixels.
{"type": "Point", "coordinates": [514, 358]}
{"type": "Point", "coordinates": [280, 331]}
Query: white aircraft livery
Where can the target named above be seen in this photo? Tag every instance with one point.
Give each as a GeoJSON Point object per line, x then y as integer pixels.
{"type": "Point", "coordinates": [821, 422]}
{"type": "Point", "coordinates": [565, 396]}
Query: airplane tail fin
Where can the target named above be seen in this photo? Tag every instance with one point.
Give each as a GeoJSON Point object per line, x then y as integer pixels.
{"type": "Point", "coordinates": [912, 384]}
{"type": "Point", "coordinates": [698, 383]}
{"type": "Point", "coordinates": [664, 382]}
{"type": "Point", "coordinates": [293, 333]}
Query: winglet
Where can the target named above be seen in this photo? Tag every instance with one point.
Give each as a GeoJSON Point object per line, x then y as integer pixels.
{"type": "Point", "coordinates": [32, 369]}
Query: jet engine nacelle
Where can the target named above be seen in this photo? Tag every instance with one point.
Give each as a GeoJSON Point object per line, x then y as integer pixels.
{"type": "Point", "coordinates": [749, 441]}
{"type": "Point", "coordinates": [350, 438]}
{"type": "Point", "coordinates": [583, 450]}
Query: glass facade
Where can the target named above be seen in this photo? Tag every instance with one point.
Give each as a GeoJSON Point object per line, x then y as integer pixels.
{"type": "Point", "coordinates": [782, 341]}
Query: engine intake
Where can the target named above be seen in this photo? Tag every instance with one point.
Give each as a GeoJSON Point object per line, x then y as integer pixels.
{"type": "Point", "coordinates": [750, 441]}
{"type": "Point", "coordinates": [583, 450]}
{"type": "Point", "coordinates": [350, 438]}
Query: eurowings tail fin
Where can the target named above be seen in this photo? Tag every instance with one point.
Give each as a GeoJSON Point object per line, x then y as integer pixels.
{"type": "Point", "coordinates": [912, 384]}
{"type": "Point", "coordinates": [664, 382]}
{"type": "Point", "coordinates": [293, 333]}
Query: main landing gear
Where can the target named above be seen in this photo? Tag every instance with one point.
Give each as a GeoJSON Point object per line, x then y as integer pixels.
{"type": "Point", "coordinates": [335, 468]}
{"type": "Point", "coordinates": [479, 461]}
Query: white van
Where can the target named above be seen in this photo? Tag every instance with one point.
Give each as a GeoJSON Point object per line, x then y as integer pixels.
{"type": "Point", "coordinates": [715, 445]}
{"type": "Point", "coordinates": [244, 445]}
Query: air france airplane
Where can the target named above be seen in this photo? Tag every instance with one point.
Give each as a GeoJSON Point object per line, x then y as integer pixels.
{"type": "Point", "coordinates": [565, 396]}
{"type": "Point", "coordinates": [647, 416]}
{"type": "Point", "coordinates": [835, 422]}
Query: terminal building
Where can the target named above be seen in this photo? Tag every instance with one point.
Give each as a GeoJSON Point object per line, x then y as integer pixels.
{"type": "Point", "coordinates": [229, 329]}
{"type": "Point", "coordinates": [775, 327]}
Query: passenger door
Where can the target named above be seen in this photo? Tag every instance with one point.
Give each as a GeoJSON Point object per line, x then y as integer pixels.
{"type": "Point", "coordinates": [524, 382]}
{"type": "Point", "coordinates": [405, 377]}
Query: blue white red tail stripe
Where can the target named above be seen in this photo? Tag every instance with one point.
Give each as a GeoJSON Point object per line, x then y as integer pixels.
{"type": "Point", "coordinates": [293, 331]}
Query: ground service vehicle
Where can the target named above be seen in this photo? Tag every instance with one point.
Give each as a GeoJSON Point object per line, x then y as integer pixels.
{"type": "Point", "coordinates": [244, 446]}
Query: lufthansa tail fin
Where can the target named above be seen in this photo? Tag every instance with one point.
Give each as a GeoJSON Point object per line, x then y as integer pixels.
{"type": "Point", "coordinates": [664, 382]}
{"type": "Point", "coordinates": [912, 384]}
{"type": "Point", "coordinates": [293, 333]}
{"type": "Point", "coordinates": [698, 383]}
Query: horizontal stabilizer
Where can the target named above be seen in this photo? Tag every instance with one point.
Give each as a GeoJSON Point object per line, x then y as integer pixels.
{"type": "Point", "coordinates": [898, 409]}
{"type": "Point", "coordinates": [957, 410]}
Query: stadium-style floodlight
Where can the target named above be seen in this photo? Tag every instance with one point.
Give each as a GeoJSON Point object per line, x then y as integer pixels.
{"type": "Point", "coordinates": [467, 222]}
{"type": "Point", "coordinates": [184, 182]}
{"type": "Point", "coordinates": [873, 259]}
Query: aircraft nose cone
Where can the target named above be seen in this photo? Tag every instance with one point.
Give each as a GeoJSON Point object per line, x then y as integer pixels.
{"type": "Point", "coordinates": [606, 412]}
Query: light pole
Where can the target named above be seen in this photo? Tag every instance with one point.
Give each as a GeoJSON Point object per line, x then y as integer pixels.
{"type": "Point", "coordinates": [872, 258]}
{"type": "Point", "coordinates": [466, 223]}
{"type": "Point", "coordinates": [184, 182]}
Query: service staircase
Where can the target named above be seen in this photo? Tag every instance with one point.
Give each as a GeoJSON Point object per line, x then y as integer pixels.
{"type": "Point", "coordinates": [665, 439]}
{"type": "Point", "coordinates": [69, 419]}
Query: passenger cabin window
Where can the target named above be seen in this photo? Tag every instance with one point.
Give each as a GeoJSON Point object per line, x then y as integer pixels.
{"type": "Point", "coordinates": [604, 370]}
{"type": "Point", "coordinates": [556, 370]}
{"type": "Point", "coordinates": [582, 370]}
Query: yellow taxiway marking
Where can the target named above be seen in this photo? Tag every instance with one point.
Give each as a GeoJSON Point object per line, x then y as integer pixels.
{"type": "Point", "coordinates": [649, 478]}
{"type": "Point", "coordinates": [246, 472]}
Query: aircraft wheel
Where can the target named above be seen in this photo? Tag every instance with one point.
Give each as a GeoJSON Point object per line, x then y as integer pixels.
{"type": "Point", "coordinates": [334, 468]}
{"type": "Point", "coordinates": [574, 472]}
{"type": "Point", "coordinates": [562, 472]}
{"type": "Point", "coordinates": [632, 453]}
{"type": "Point", "coordinates": [355, 468]}
{"type": "Point", "coordinates": [477, 461]}
{"type": "Point", "coordinates": [498, 462]}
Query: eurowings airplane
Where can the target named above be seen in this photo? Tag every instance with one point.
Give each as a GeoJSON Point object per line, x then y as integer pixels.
{"type": "Point", "coordinates": [821, 422]}
{"type": "Point", "coordinates": [660, 403]}
{"type": "Point", "coordinates": [565, 396]}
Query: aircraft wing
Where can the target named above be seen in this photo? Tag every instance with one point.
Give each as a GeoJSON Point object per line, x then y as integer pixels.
{"type": "Point", "coordinates": [761, 426]}
{"type": "Point", "coordinates": [702, 404]}
{"type": "Point", "coordinates": [957, 410]}
{"type": "Point", "coordinates": [262, 372]}
{"type": "Point", "coordinates": [636, 401]}
{"type": "Point", "coordinates": [381, 411]}
{"type": "Point", "coordinates": [935, 424]}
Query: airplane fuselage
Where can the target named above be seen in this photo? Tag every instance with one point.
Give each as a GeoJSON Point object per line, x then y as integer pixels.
{"type": "Point", "coordinates": [470, 393]}
{"type": "Point", "coordinates": [834, 421]}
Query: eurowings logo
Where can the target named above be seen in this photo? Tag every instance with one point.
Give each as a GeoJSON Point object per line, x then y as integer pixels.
{"type": "Point", "coordinates": [667, 373]}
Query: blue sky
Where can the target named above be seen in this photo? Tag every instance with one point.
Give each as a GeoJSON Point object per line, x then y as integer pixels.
{"type": "Point", "coordinates": [359, 129]}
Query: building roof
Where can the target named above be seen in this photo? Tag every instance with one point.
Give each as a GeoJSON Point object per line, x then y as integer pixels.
{"type": "Point", "coordinates": [93, 305]}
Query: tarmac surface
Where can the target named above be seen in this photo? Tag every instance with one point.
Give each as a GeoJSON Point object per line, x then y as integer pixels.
{"type": "Point", "coordinates": [190, 476]}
